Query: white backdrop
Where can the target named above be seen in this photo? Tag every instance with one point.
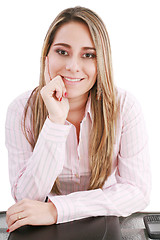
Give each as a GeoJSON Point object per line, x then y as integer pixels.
{"type": "Point", "coordinates": [134, 30]}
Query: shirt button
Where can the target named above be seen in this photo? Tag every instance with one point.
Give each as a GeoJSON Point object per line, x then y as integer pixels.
{"type": "Point", "coordinates": [76, 175]}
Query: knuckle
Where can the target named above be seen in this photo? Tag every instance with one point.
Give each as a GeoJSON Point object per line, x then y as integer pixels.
{"type": "Point", "coordinates": [9, 210]}
{"type": "Point", "coordinates": [29, 212]}
{"type": "Point", "coordinates": [7, 214]}
{"type": "Point", "coordinates": [42, 91]}
{"type": "Point", "coordinates": [11, 218]}
{"type": "Point", "coordinates": [18, 224]}
{"type": "Point", "coordinates": [58, 78]}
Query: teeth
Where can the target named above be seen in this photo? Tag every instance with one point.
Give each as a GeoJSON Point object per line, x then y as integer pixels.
{"type": "Point", "coordinates": [73, 80]}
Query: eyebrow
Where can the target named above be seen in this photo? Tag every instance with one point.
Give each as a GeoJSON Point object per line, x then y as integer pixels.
{"type": "Point", "coordinates": [68, 46]}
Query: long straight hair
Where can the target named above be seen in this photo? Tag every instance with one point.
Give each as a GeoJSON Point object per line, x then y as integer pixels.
{"type": "Point", "coordinates": [103, 96]}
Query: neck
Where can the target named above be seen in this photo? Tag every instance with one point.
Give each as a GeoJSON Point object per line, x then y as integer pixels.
{"type": "Point", "coordinates": [77, 108]}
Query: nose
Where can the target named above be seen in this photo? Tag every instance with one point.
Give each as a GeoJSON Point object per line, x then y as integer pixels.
{"type": "Point", "coordinates": [73, 65]}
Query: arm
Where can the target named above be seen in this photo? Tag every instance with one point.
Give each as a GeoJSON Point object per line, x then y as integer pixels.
{"type": "Point", "coordinates": [127, 190]}
{"type": "Point", "coordinates": [33, 172]}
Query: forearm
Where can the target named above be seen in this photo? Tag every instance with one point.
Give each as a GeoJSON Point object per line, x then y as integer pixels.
{"type": "Point", "coordinates": [42, 169]}
{"type": "Point", "coordinates": [34, 177]}
{"type": "Point", "coordinates": [117, 200]}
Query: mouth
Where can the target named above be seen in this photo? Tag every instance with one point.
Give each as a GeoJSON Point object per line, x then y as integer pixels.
{"type": "Point", "coordinates": [72, 80]}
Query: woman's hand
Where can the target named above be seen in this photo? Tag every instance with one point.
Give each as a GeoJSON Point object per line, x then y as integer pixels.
{"type": "Point", "coordinates": [54, 97]}
{"type": "Point", "coordinates": [30, 212]}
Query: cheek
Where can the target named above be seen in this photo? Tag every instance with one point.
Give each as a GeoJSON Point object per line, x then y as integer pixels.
{"type": "Point", "coordinates": [55, 65]}
{"type": "Point", "coordinates": [92, 71]}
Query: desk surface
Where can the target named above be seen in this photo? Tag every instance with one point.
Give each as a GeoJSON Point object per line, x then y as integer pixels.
{"type": "Point", "coordinates": [132, 228]}
{"type": "Point", "coordinates": [99, 228]}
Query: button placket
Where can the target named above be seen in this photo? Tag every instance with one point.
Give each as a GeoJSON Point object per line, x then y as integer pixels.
{"type": "Point", "coordinates": [75, 161]}
{"type": "Point", "coordinates": [76, 175]}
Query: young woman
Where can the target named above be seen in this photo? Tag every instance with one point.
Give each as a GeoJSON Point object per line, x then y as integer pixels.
{"type": "Point", "coordinates": [76, 139]}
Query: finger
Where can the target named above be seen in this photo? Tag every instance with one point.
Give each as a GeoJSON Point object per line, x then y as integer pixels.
{"type": "Point", "coordinates": [63, 92]}
{"type": "Point", "coordinates": [55, 88]}
{"type": "Point", "coordinates": [56, 91]}
{"type": "Point", "coordinates": [50, 89]}
{"type": "Point", "coordinates": [58, 79]}
{"type": "Point", "coordinates": [18, 224]}
{"type": "Point", "coordinates": [20, 213]}
{"type": "Point", "coordinates": [15, 217]}
{"type": "Point", "coordinates": [58, 87]}
{"type": "Point", "coordinates": [47, 71]}
{"type": "Point", "coordinates": [16, 208]}
{"type": "Point", "coordinates": [59, 95]}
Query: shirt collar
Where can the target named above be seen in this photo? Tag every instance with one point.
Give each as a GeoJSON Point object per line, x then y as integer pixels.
{"type": "Point", "coordinates": [88, 108]}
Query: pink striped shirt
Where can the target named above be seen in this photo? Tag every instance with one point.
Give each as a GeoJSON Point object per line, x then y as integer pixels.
{"type": "Point", "coordinates": [58, 154]}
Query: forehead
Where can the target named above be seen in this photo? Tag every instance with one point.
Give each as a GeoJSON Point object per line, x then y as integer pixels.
{"type": "Point", "coordinates": [74, 33]}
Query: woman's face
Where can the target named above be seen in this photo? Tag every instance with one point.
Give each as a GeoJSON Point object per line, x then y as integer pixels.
{"type": "Point", "coordinates": [73, 56]}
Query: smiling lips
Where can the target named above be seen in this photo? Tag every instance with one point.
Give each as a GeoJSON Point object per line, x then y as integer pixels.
{"type": "Point", "coordinates": [72, 80]}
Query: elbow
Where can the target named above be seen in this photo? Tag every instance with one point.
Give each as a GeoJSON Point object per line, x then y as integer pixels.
{"type": "Point", "coordinates": [145, 191]}
{"type": "Point", "coordinates": [145, 199]}
{"type": "Point", "coordinates": [15, 194]}
{"type": "Point", "coordinates": [145, 202]}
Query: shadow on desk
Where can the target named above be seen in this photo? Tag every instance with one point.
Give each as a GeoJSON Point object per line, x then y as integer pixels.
{"type": "Point", "coordinates": [98, 228]}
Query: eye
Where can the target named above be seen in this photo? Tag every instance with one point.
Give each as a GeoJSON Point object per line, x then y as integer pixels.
{"type": "Point", "coordinates": [62, 52]}
{"type": "Point", "coordinates": [89, 55]}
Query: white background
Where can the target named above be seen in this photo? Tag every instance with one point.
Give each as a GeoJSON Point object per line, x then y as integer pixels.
{"type": "Point", "coordinates": [134, 30]}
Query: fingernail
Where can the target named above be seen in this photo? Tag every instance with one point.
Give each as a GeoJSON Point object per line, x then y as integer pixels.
{"type": "Point", "coordinates": [7, 230]}
{"type": "Point", "coordinates": [60, 99]}
{"type": "Point", "coordinates": [65, 94]}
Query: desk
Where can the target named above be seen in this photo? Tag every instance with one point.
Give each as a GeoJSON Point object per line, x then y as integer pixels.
{"type": "Point", "coordinates": [94, 228]}
{"type": "Point", "coordinates": [132, 228]}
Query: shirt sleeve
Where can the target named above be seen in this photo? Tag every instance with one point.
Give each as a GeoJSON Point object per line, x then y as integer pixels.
{"type": "Point", "coordinates": [130, 190]}
{"type": "Point", "coordinates": [33, 172]}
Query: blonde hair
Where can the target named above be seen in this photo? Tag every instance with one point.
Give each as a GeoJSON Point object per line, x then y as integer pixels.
{"type": "Point", "coordinates": [103, 96]}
